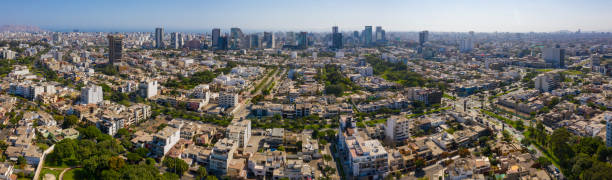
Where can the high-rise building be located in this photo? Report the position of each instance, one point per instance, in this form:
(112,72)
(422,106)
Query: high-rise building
(159,38)
(467,43)
(222,44)
(367,36)
(235,38)
(115,48)
(303,40)
(269,39)
(554,56)
(91,94)
(423,37)
(216,33)
(379,34)
(254,41)
(175,40)
(336,38)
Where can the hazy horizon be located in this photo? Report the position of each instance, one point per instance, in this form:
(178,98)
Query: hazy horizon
(313,16)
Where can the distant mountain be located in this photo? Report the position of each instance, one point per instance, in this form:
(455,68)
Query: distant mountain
(20,28)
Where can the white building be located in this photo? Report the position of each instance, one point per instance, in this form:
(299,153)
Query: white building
(547,82)
(228,99)
(367,158)
(164,140)
(92,94)
(240,132)
(8,54)
(397,128)
(148,89)
(221,155)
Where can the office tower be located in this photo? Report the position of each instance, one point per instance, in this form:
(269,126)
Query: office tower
(235,38)
(91,94)
(423,37)
(303,40)
(554,56)
(269,39)
(254,44)
(159,38)
(115,48)
(367,36)
(336,38)
(216,32)
(175,40)
(222,44)
(379,34)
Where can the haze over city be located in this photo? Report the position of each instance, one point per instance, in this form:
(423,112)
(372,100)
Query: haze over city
(312,15)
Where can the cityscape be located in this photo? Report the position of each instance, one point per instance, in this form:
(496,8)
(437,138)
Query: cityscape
(333,99)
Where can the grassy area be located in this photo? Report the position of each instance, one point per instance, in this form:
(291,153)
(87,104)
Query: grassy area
(374,122)
(544,70)
(448,96)
(70,175)
(518,125)
(572,72)
(502,93)
(428,112)
(49,171)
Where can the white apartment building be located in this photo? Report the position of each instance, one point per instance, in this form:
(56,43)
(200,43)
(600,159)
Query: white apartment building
(92,94)
(148,89)
(547,82)
(221,155)
(228,99)
(397,128)
(164,140)
(240,132)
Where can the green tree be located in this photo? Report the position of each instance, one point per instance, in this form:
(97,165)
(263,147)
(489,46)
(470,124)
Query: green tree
(70,121)
(201,173)
(175,165)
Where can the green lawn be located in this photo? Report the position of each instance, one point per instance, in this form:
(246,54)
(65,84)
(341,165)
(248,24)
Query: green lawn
(49,171)
(69,175)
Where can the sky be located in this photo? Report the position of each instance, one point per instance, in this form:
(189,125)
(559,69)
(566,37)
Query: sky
(311,15)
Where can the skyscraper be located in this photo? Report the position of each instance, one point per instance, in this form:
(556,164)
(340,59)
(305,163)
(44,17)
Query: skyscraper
(303,40)
(367,36)
(115,48)
(379,34)
(235,38)
(254,41)
(216,32)
(175,40)
(159,38)
(336,38)
(269,39)
(423,37)
(222,44)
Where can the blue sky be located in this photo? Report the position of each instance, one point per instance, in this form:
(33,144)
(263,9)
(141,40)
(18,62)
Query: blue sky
(311,15)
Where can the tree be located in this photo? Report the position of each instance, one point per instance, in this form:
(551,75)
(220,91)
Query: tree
(123,133)
(560,147)
(134,157)
(175,165)
(463,152)
(116,163)
(70,121)
(170,176)
(201,173)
